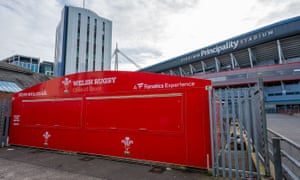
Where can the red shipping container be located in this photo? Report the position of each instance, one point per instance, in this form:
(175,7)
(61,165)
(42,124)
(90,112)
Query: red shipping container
(140,116)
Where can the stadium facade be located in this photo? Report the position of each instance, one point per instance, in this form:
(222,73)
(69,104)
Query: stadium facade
(271,53)
(83,42)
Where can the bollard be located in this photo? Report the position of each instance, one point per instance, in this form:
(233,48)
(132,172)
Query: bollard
(277,158)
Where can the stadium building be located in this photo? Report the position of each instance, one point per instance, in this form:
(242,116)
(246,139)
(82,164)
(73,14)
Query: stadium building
(14,78)
(83,42)
(271,53)
(30,63)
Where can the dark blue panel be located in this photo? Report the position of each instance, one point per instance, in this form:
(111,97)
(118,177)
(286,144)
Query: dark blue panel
(62,70)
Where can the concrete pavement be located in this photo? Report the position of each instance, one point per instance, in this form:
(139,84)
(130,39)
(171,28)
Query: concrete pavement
(18,163)
(286,125)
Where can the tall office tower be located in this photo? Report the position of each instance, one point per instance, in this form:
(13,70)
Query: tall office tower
(83,42)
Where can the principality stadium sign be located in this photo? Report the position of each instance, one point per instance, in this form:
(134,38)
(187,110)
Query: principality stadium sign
(218,48)
(228,45)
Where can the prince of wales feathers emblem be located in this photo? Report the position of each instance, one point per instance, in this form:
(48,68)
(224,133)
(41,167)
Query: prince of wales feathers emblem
(127,142)
(46,136)
(66,83)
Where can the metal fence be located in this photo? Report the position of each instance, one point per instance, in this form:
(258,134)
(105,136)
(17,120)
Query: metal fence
(284,155)
(239,133)
(5,107)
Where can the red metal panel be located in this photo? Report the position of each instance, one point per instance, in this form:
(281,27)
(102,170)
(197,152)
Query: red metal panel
(122,114)
(143,113)
(54,113)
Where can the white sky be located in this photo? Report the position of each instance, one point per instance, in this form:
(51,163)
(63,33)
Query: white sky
(148,31)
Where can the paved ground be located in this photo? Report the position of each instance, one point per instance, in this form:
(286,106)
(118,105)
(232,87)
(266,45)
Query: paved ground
(286,125)
(18,163)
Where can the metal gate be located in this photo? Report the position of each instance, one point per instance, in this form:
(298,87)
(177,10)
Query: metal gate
(239,133)
(5,106)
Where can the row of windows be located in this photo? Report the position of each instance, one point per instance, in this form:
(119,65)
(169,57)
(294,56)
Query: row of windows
(48,70)
(280,94)
(249,75)
(87,44)
(32,67)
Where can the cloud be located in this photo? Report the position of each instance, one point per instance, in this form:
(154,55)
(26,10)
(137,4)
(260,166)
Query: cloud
(277,10)
(29,28)
(147,31)
(140,25)
(141,53)
(6,6)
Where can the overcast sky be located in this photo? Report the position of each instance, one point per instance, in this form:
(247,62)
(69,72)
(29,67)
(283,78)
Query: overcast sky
(148,31)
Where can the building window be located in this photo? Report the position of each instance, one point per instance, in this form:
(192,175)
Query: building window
(87,44)
(94,46)
(78,42)
(78,23)
(88,29)
(102,47)
(77,63)
(102,52)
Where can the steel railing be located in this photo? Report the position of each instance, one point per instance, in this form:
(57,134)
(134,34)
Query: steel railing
(284,155)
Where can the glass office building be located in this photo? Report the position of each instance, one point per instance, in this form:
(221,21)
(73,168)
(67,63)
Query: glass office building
(47,68)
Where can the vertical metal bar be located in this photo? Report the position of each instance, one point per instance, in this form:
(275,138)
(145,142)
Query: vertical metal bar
(255,137)
(232,61)
(264,128)
(280,54)
(203,66)
(250,126)
(191,69)
(8,109)
(241,126)
(1,121)
(228,133)
(216,140)
(217,63)
(244,108)
(277,158)
(222,133)
(248,130)
(250,57)
(234,134)
(211,129)
(181,71)
(116,59)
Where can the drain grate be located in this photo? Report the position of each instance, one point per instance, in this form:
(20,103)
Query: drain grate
(157,169)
